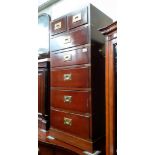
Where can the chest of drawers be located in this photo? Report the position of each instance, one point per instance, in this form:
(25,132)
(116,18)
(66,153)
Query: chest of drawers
(77,79)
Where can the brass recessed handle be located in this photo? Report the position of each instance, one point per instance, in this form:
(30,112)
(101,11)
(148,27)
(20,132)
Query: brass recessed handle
(76,18)
(67,40)
(67,57)
(67,77)
(67,121)
(57,26)
(67,99)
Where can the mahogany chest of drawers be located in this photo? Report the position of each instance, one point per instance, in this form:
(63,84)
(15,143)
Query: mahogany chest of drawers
(77,78)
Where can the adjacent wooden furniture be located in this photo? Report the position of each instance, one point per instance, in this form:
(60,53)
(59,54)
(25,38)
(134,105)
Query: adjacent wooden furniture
(43,94)
(110,32)
(77,114)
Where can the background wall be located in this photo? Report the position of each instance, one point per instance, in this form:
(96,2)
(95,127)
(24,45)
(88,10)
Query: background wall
(65,6)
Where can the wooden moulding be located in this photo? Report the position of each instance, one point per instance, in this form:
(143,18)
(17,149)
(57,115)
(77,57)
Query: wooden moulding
(110,33)
(86,145)
(54,143)
(109,29)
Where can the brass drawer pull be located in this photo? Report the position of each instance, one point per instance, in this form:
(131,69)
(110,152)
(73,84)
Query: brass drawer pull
(67,121)
(68,99)
(67,40)
(67,77)
(76,18)
(57,26)
(67,57)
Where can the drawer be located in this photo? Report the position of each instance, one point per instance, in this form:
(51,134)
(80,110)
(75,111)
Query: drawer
(77,18)
(70,78)
(72,57)
(74,124)
(75,38)
(45,64)
(58,26)
(78,101)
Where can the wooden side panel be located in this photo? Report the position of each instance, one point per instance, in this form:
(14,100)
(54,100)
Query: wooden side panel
(111,88)
(43,95)
(41,91)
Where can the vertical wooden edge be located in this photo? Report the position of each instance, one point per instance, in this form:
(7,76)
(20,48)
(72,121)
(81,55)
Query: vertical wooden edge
(107,94)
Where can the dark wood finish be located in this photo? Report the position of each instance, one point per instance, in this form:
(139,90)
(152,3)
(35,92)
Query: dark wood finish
(79,124)
(77,142)
(79,77)
(48,149)
(75,38)
(82,77)
(55,145)
(74,56)
(77,18)
(80,100)
(111,88)
(41,91)
(58,25)
(45,150)
(43,95)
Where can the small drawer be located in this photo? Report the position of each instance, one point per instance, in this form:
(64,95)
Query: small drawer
(78,101)
(77,18)
(58,26)
(73,57)
(74,124)
(70,78)
(75,38)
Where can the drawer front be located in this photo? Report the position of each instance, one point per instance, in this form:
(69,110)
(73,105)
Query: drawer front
(70,78)
(78,37)
(58,26)
(78,101)
(73,57)
(77,18)
(43,64)
(73,124)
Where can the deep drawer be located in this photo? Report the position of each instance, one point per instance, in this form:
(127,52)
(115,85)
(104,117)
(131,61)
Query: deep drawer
(75,38)
(72,57)
(77,18)
(78,101)
(71,123)
(70,78)
(58,26)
